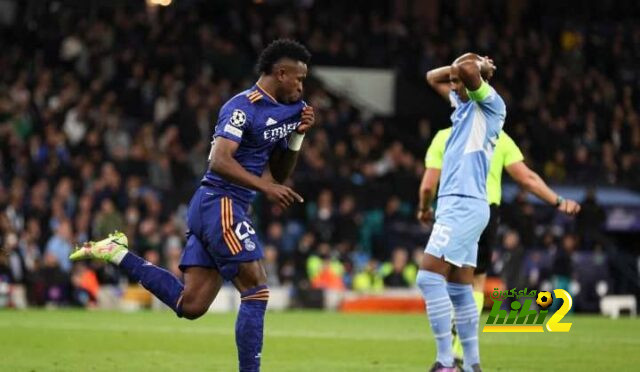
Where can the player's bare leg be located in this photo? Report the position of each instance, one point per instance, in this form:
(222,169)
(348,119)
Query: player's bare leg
(250,274)
(201,286)
(251,283)
(434,264)
(461,275)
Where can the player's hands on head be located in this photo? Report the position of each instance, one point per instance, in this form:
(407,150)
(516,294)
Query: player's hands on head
(570,207)
(307,120)
(487,67)
(425,216)
(282,195)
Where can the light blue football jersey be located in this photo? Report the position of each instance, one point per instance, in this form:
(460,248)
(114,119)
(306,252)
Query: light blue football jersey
(476,126)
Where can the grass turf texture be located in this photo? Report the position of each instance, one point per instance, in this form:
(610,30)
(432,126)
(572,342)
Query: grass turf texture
(68,340)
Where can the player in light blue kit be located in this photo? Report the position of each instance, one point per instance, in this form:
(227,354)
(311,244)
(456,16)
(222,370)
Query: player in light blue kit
(446,272)
(264,125)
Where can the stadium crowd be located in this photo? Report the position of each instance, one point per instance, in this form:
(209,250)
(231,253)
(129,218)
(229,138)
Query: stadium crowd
(106,123)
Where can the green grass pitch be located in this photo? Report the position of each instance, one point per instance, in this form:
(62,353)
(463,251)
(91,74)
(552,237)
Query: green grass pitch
(68,340)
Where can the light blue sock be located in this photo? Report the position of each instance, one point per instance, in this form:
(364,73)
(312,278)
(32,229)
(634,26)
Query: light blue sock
(466,318)
(434,291)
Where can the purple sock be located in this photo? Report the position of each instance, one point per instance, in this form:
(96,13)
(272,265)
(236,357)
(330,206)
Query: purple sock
(249,327)
(156,280)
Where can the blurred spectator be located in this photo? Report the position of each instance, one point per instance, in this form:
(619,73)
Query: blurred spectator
(52,283)
(555,168)
(519,215)
(12,265)
(108,219)
(369,279)
(563,262)
(59,246)
(512,259)
(85,286)
(271,265)
(590,222)
(347,221)
(172,250)
(275,232)
(322,220)
(301,257)
(324,271)
(398,273)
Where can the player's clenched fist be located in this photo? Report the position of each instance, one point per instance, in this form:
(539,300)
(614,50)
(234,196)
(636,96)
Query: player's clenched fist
(425,216)
(487,68)
(569,207)
(307,120)
(282,195)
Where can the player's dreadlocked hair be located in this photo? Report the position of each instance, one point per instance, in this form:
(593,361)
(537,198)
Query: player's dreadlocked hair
(281,48)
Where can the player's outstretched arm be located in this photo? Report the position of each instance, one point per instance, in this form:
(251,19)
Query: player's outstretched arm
(439,80)
(225,165)
(282,162)
(532,182)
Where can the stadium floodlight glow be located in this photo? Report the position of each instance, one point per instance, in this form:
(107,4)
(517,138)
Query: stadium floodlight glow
(159,2)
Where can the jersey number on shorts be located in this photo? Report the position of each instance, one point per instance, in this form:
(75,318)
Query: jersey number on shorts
(248,230)
(440,235)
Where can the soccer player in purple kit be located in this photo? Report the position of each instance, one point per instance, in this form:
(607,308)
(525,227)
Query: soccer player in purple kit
(263,125)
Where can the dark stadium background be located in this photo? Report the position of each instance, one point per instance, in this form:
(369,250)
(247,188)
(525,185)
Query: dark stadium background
(107,108)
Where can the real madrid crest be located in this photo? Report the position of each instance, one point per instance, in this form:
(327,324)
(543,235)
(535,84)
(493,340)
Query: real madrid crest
(249,245)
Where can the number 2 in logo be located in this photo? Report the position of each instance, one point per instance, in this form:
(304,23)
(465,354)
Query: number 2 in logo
(554,325)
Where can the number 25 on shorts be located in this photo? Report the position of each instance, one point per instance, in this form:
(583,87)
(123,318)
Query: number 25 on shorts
(440,235)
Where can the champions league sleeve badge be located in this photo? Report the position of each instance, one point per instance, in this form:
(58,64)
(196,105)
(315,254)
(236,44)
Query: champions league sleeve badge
(238,118)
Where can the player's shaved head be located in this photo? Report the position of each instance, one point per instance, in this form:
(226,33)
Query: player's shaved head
(467,57)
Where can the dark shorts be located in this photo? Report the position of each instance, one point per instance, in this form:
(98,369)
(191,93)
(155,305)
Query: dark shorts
(219,235)
(488,240)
